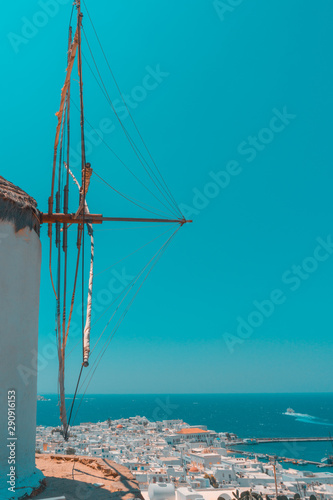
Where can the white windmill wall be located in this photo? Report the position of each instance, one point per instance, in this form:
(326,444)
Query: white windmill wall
(20,261)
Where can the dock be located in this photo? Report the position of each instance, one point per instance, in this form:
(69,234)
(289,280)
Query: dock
(293,461)
(236,442)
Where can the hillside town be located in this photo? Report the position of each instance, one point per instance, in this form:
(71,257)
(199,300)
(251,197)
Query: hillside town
(173,460)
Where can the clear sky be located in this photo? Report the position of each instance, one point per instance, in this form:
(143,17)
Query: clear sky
(237,112)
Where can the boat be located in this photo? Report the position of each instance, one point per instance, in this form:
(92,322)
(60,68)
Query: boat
(328,460)
(42,398)
(250,441)
(74,223)
(290,411)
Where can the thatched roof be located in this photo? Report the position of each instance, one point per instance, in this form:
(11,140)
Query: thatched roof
(17,206)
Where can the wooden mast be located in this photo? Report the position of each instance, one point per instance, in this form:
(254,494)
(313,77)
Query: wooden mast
(83,151)
(79,28)
(66,198)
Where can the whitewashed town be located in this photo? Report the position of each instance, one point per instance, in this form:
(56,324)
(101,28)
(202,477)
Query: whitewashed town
(173,460)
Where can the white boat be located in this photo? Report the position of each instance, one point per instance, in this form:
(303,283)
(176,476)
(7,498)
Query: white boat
(290,411)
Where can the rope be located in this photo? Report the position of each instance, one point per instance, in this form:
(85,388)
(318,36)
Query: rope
(61,352)
(87,326)
(70,19)
(66,189)
(74,289)
(81,228)
(56,293)
(72,406)
(50,269)
(60,113)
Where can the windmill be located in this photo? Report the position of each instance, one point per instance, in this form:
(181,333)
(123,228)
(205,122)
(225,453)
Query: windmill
(20,255)
(60,217)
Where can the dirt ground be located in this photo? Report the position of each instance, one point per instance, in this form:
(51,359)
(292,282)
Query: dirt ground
(74,477)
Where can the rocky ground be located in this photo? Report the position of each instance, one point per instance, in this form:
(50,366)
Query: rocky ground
(84,478)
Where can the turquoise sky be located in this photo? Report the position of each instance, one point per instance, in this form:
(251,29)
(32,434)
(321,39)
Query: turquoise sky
(239,120)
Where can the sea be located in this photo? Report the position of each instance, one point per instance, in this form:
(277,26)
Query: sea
(247,415)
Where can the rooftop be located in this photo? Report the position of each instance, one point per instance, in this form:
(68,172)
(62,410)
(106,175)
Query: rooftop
(17,206)
(192,430)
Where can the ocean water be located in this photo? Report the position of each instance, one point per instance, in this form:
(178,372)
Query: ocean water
(247,415)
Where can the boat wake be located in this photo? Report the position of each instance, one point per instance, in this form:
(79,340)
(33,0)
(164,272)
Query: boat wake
(308,419)
(298,415)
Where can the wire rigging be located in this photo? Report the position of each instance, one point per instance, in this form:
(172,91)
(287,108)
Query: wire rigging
(129,113)
(128,198)
(128,285)
(84,220)
(61,378)
(111,336)
(130,140)
(123,195)
(122,162)
(128,255)
(170,229)
(157,254)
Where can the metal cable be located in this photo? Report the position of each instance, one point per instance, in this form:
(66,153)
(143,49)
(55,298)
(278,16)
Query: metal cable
(130,114)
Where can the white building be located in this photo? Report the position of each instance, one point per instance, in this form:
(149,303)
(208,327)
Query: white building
(20,262)
(188,494)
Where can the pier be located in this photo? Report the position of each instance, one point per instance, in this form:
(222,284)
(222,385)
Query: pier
(293,461)
(253,441)
(278,440)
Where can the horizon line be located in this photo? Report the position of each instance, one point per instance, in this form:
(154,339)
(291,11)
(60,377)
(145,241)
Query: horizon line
(186,393)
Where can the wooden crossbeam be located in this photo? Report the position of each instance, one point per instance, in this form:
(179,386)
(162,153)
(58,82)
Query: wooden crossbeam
(99,219)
